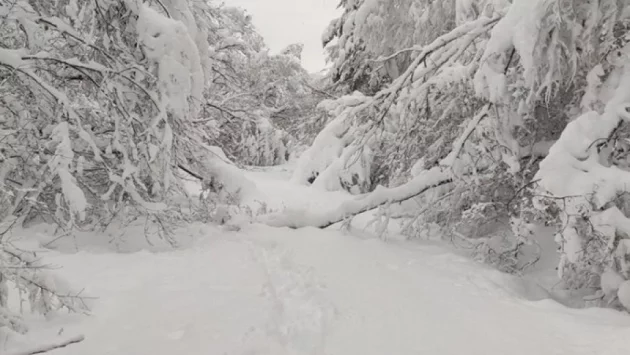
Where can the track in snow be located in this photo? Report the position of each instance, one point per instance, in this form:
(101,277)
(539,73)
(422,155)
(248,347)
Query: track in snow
(268,291)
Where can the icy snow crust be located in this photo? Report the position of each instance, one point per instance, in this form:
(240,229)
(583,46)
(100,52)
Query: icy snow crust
(271,291)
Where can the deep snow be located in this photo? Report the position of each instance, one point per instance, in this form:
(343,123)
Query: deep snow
(270,291)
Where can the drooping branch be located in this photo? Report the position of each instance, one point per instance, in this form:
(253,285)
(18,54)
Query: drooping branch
(435,177)
(439,175)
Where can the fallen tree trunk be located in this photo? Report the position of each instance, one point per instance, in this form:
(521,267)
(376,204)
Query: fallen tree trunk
(429,179)
(437,176)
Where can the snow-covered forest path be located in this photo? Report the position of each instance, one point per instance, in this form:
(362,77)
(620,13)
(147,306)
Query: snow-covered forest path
(267,291)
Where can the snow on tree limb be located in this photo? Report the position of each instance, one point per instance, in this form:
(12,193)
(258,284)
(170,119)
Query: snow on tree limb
(472,28)
(363,203)
(385,106)
(424,181)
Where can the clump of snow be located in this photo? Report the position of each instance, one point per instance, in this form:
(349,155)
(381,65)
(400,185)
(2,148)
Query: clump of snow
(232,179)
(610,281)
(351,168)
(330,31)
(168,43)
(335,153)
(72,10)
(518,29)
(61,165)
(593,86)
(326,148)
(11,57)
(572,167)
(624,294)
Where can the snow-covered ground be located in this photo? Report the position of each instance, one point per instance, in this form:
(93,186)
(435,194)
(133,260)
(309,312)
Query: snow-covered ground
(270,291)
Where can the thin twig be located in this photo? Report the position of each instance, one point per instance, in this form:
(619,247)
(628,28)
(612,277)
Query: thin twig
(47,348)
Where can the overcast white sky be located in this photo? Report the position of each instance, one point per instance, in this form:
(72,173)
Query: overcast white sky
(283,22)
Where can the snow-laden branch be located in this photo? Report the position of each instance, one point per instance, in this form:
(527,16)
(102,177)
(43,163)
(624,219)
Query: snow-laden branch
(442,53)
(471,28)
(425,180)
(572,166)
(324,218)
(29,272)
(458,145)
(468,30)
(415,82)
(73,62)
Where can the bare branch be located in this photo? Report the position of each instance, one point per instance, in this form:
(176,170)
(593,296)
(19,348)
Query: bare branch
(47,348)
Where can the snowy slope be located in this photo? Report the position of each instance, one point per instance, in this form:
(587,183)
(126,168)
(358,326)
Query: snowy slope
(269,291)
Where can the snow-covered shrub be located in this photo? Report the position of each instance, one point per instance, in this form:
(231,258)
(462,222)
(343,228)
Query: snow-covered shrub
(25,278)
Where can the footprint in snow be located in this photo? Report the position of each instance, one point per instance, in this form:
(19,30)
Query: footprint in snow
(300,315)
(176,335)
